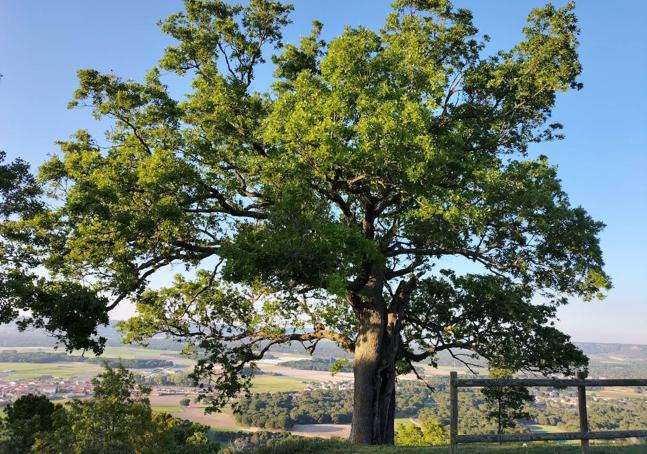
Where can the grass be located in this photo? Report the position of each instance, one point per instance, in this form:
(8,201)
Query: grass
(168,408)
(130,352)
(544,428)
(276,383)
(341,447)
(618,393)
(25,371)
(126,351)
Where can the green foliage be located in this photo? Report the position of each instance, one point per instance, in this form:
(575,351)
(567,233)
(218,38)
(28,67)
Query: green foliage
(18,196)
(23,421)
(18,190)
(271,411)
(258,440)
(430,432)
(322,406)
(67,309)
(340,365)
(340,190)
(283,410)
(119,419)
(501,315)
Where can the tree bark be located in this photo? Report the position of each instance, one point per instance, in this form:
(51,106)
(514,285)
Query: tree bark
(376,351)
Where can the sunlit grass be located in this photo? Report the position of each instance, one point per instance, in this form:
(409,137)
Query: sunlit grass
(342,447)
(276,383)
(26,371)
(544,428)
(168,408)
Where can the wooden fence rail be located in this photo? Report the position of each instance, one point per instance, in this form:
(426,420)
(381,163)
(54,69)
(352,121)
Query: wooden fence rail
(581,383)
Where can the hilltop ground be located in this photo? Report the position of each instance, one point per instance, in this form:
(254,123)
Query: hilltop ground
(339,447)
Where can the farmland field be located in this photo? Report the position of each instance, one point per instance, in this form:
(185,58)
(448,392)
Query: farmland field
(544,428)
(125,352)
(175,409)
(26,371)
(83,370)
(277,383)
(617,393)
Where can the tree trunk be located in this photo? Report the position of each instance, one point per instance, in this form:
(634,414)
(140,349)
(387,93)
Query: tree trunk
(376,351)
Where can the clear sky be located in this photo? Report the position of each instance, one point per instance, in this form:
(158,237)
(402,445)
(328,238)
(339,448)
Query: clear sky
(602,161)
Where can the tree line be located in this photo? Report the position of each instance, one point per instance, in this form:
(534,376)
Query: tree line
(283,410)
(13,356)
(321,406)
(320,364)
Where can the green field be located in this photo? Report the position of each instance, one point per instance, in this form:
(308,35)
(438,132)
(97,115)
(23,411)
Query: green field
(544,428)
(132,352)
(26,371)
(276,383)
(168,408)
(617,393)
(125,352)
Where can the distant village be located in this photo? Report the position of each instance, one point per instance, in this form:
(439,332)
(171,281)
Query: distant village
(329,384)
(52,388)
(55,388)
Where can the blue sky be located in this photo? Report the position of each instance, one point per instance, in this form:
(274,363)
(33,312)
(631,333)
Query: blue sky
(602,162)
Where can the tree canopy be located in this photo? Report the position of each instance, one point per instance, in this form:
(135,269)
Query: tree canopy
(335,204)
(24,420)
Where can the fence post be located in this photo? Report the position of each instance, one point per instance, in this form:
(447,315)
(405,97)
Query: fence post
(584,417)
(453,412)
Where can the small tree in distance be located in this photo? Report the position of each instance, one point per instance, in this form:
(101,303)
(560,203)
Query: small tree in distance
(506,403)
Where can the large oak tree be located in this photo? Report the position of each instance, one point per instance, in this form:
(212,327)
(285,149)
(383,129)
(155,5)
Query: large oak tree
(342,203)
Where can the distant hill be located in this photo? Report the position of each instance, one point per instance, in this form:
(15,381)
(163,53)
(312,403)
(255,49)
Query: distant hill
(11,337)
(616,360)
(628,350)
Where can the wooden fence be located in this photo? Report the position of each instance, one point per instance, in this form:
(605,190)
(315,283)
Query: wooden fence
(581,383)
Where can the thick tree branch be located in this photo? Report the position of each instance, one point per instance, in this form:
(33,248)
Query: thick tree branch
(233,210)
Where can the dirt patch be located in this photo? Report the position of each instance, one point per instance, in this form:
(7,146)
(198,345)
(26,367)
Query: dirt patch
(227,421)
(219,420)
(322,430)
(169,400)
